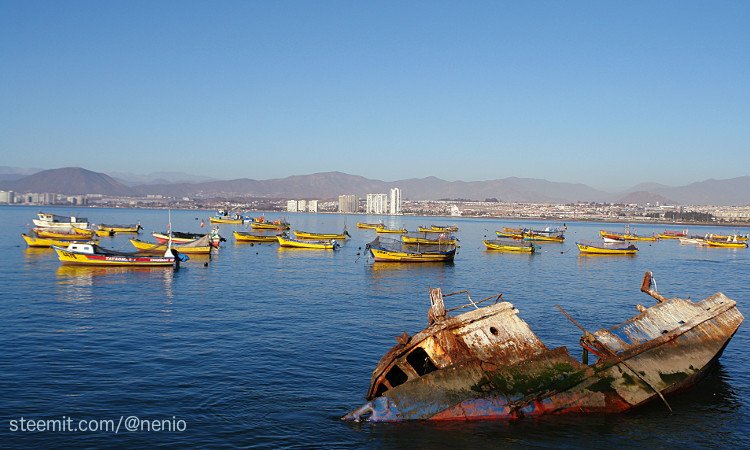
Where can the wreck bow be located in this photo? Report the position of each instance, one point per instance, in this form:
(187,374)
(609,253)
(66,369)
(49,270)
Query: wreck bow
(487,363)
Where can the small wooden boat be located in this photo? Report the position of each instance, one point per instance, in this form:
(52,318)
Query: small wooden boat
(112,229)
(60,234)
(672,234)
(243,236)
(180,237)
(595,249)
(727,237)
(438,229)
(200,246)
(696,240)
(627,236)
(46,220)
(510,233)
(226,219)
(506,245)
(276,225)
(424,240)
(306,235)
(730,242)
(92,254)
(32,241)
(326,244)
(370,226)
(389,250)
(543,237)
(386,230)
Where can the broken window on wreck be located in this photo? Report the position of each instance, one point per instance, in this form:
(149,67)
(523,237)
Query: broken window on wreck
(420,361)
(396,376)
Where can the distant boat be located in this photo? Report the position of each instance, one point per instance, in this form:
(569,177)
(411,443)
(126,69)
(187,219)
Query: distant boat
(508,245)
(199,246)
(628,235)
(387,230)
(438,229)
(32,241)
(47,220)
(603,249)
(71,234)
(393,250)
(243,236)
(672,234)
(443,239)
(327,244)
(275,225)
(112,229)
(306,235)
(179,237)
(370,226)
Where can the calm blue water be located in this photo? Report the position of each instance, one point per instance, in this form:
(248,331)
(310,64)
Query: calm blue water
(268,348)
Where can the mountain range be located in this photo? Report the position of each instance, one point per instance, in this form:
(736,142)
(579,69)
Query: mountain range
(75,180)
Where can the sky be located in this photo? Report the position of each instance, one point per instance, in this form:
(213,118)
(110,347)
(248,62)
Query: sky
(605,93)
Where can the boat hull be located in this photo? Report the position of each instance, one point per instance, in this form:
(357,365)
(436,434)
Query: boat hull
(32,241)
(240,236)
(596,250)
(319,236)
(69,257)
(312,245)
(149,247)
(388,256)
(505,247)
(227,221)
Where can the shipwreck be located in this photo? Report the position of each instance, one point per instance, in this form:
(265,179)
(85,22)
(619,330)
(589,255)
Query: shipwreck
(487,363)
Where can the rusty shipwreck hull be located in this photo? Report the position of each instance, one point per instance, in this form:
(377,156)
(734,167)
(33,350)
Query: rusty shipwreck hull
(488,364)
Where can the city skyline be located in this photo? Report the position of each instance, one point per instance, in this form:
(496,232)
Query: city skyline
(610,95)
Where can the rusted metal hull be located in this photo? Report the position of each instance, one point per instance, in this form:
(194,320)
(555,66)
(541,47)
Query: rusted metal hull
(666,348)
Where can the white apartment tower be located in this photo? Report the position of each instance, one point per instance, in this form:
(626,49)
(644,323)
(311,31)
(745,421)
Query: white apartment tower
(377,204)
(395,201)
(348,203)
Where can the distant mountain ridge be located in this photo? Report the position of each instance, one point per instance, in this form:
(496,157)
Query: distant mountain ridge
(73,180)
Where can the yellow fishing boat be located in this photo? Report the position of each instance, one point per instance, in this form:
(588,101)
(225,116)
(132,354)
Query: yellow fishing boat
(370,226)
(66,236)
(730,243)
(315,245)
(627,236)
(92,254)
(389,250)
(32,241)
(451,240)
(229,220)
(387,230)
(725,237)
(278,225)
(673,234)
(594,249)
(535,236)
(318,236)
(243,236)
(198,246)
(438,229)
(505,245)
(108,230)
(511,233)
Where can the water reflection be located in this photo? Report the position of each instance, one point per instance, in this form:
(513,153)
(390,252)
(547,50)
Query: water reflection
(37,253)
(78,281)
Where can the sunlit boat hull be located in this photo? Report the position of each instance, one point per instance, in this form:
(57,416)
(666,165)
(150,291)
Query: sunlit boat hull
(411,240)
(75,235)
(32,241)
(150,247)
(72,257)
(596,250)
(508,247)
(314,245)
(319,236)
(241,236)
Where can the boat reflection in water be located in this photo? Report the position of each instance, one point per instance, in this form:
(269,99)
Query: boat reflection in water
(78,281)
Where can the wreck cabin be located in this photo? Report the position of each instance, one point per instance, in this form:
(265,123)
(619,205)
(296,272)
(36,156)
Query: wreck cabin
(488,364)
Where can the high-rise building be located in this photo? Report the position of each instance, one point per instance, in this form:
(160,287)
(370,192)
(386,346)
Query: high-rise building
(377,204)
(348,203)
(301,205)
(395,201)
(312,206)
(291,205)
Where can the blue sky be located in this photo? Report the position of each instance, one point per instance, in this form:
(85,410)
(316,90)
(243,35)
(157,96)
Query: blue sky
(605,93)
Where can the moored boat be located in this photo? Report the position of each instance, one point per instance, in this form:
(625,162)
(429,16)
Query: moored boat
(325,244)
(509,245)
(72,234)
(532,235)
(487,363)
(725,243)
(442,239)
(180,237)
(386,230)
(306,235)
(589,248)
(112,229)
(200,246)
(627,236)
(438,229)
(47,220)
(275,225)
(32,241)
(370,226)
(244,236)
(92,254)
(392,250)
(672,234)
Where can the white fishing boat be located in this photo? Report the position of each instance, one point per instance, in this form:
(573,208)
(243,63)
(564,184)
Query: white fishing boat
(47,220)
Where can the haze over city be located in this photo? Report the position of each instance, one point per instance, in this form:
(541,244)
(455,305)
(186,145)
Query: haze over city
(606,94)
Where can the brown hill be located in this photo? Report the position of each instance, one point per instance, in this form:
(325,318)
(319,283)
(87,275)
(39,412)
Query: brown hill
(70,181)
